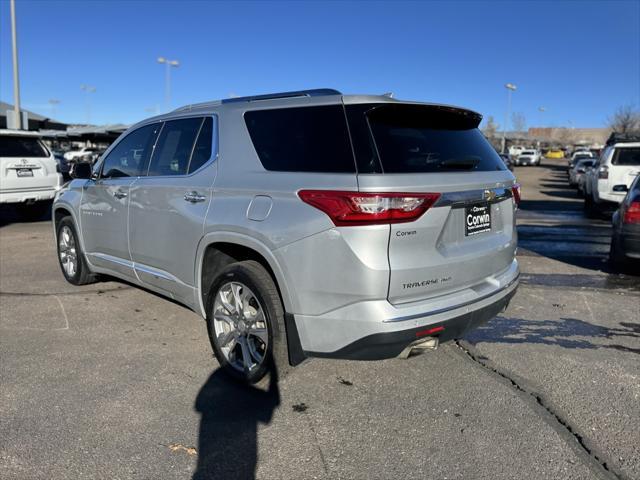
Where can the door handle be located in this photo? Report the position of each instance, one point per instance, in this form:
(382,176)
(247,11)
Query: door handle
(120,194)
(194,197)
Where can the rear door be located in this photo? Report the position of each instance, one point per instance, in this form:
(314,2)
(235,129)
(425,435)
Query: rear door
(168,205)
(468,238)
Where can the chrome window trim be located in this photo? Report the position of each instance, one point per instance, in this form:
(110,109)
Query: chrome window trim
(214,147)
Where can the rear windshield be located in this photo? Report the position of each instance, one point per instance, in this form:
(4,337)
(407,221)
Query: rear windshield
(423,138)
(21,147)
(303,139)
(626,156)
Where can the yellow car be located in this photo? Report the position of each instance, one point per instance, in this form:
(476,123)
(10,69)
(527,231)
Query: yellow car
(554,153)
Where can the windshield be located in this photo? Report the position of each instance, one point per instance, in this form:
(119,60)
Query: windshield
(21,147)
(424,138)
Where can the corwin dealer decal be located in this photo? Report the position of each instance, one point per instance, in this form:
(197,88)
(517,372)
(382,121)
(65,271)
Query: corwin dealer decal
(477,219)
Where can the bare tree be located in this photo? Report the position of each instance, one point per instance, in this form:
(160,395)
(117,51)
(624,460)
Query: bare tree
(518,121)
(566,136)
(490,128)
(625,119)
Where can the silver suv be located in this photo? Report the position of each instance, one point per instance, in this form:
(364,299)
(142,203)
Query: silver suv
(302,224)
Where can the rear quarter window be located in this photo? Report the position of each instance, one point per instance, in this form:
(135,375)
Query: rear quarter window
(626,156)
(302,139)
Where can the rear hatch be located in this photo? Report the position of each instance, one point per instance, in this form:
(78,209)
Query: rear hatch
(25,163)
(468,236)
(625,165)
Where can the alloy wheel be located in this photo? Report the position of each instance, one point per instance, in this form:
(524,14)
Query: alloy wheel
(240,327)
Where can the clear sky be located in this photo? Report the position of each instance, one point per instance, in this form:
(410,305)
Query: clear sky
(578,59)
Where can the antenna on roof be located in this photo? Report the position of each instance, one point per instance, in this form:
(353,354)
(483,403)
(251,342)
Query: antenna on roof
(388,94)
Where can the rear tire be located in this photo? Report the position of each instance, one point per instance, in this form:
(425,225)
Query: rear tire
(248,336)
(590,209)
(70,255)
(616,258)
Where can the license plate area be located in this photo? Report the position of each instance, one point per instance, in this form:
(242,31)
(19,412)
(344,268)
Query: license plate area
(477,219)
(24,172)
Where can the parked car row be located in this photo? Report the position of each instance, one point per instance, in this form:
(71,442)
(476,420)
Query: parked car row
(611,182)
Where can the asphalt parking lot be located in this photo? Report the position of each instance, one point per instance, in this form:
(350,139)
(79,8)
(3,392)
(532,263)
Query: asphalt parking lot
(110,381)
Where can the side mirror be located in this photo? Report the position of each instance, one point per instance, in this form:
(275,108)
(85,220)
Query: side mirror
(581,170)
(620,188)
(80,170)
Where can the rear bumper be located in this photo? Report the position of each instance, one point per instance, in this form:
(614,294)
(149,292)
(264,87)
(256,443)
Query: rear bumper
(609,197)
(630,241)
(29,195)
(377,330)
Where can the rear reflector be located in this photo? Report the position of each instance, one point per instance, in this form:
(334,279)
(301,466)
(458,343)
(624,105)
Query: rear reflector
(632,213)
(365,208)
(431,331)
(516,193)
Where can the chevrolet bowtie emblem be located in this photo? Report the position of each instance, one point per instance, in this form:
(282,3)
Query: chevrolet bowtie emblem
(489,195)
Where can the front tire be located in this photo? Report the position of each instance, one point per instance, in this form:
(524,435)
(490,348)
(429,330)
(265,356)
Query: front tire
(245,322)
(70,256)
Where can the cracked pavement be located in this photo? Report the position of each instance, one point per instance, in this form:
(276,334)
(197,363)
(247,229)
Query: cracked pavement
(110,381)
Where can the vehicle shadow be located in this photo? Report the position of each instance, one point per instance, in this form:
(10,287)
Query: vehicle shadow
(230,416)
(18,214)
(566,332)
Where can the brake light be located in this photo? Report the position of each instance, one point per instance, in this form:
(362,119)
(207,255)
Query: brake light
(603,172)
(632,213)
(516,193)
(364,208)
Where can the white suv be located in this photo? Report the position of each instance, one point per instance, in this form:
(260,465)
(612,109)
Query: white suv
(611,176)
(29,174)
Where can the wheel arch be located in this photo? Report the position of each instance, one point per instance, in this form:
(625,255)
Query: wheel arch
(61,211)
(216,250)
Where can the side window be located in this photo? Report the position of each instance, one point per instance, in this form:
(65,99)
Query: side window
(130,156)
(174,147)
(203,150)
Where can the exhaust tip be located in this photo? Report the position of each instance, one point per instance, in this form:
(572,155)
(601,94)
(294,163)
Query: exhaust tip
(419,346)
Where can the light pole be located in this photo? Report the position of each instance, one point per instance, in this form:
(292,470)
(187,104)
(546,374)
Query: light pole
(87,105)
(510,88)
(16,79)
(167,80)
(53,102)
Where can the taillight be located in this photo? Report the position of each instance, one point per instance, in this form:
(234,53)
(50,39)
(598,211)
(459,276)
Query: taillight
(364,208)
(632,213)
(516,193)
(603,172)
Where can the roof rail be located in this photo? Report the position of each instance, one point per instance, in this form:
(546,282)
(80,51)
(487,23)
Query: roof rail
(318,92)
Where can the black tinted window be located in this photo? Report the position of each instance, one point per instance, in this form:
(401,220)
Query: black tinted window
(21,147)
(174,146)
(130,156)
(202,150)
(627,156)
(308,139)
(417,138)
